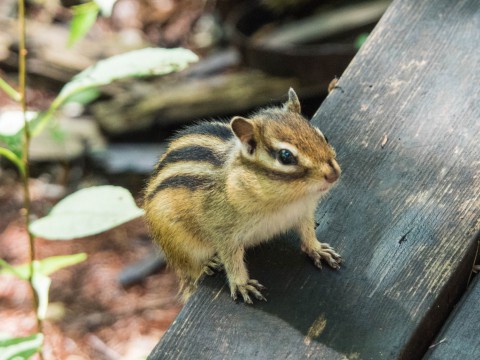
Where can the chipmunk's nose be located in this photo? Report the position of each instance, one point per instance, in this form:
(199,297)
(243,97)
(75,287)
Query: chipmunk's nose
(331,177)
(334,173)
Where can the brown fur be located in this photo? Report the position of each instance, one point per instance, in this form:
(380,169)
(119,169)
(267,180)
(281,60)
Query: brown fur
(204,214)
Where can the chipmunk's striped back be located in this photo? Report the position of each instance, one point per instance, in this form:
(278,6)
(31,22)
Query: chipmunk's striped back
(193,158)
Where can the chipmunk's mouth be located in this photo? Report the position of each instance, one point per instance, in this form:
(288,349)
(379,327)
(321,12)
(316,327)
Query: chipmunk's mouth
(320,188)
(325,186)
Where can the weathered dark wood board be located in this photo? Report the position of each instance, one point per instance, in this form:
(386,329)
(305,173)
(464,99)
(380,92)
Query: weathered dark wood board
(404,216)
(460,337)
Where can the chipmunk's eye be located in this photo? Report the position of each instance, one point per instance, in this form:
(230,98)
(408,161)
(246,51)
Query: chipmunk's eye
(286,157)
(326,139)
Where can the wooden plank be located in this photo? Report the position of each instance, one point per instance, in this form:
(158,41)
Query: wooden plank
(460,338)
(404,215)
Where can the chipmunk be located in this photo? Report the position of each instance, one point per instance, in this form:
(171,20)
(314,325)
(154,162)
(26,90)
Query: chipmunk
(221,188)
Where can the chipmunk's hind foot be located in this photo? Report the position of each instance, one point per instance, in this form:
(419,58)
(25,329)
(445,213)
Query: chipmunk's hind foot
(213,266)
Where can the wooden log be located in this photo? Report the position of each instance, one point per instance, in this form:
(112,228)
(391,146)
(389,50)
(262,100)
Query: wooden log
(404,121)
(169,101)
(460,337)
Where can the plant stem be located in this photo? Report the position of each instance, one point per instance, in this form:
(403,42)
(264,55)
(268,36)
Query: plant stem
(10,155)
(10,91)
(22,76)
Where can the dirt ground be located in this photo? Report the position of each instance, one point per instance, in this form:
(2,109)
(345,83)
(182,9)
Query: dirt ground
(91,315)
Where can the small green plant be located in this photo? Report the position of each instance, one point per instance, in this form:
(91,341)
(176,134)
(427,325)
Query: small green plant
(84,16)
(88,211)
(360,40)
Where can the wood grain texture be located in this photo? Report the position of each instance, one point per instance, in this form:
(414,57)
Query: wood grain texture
(404,216)
(460,337)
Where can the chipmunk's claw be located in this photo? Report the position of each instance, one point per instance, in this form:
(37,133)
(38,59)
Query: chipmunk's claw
(252,287)
(324,252)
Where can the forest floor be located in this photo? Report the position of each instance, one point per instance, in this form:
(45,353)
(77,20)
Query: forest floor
(91,316)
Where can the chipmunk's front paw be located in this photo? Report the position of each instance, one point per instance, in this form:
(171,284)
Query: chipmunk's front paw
(252,286)
(323,251)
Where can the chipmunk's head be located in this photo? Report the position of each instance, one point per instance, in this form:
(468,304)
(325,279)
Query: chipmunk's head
(281,145)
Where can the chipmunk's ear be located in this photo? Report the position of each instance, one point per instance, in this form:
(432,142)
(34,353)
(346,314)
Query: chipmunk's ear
(293,104)
(243,129)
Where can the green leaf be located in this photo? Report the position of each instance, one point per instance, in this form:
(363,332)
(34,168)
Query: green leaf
(11,129)
(10,91)
(10,155)
(21,271)
(84,97)
(137,63)
(46,266)
(40,279)
(84,17)
(87,212)
(51,264)
(359,41)
(106,6)
(20,348)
